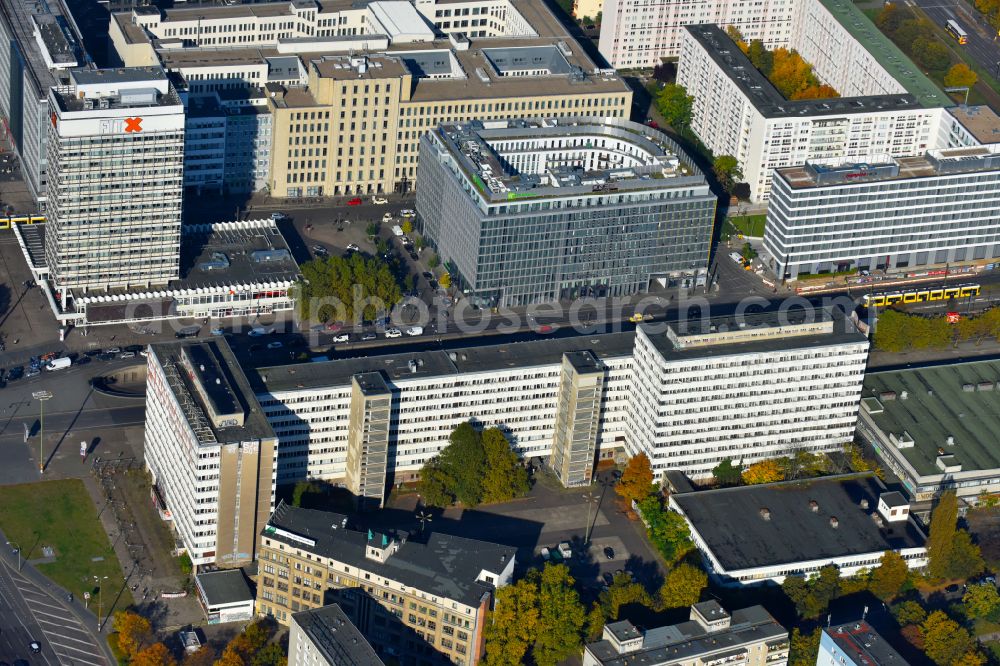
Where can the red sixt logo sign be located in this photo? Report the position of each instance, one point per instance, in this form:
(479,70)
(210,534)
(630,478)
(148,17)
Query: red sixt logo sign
(857,174)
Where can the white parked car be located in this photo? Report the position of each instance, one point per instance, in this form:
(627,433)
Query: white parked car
(415,330)
(343,337)
(737,257)
(258,331)
(387,217)
(407,212)
(393,333)
(353,248)
(277,216)
(379,201)
(275,345)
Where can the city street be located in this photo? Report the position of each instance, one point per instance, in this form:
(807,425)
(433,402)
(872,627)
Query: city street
(982,46)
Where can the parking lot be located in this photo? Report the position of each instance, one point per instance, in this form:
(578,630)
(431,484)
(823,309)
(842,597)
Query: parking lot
(547,516)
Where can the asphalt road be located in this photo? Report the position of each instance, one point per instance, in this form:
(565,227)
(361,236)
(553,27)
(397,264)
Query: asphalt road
(982,46)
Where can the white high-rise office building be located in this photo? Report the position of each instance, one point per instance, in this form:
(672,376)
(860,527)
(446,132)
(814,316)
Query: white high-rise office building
(116,160)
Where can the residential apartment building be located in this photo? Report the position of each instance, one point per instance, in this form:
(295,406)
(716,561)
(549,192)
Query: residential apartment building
(641,34)
(419,599)
(712,635)
(856,644)
(887,108)
(747,391)
(721,389)
(39,44)
(525,211)
(911,212)
(351,90)
(849,521)
(325,636)
(209,450)
(115,159)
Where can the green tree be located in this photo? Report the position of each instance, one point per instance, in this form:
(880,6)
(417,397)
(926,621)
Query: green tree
(504,476)
(433,261)
(748,253)
(890,577)
(981,600)
(727,170)
(133,631)
(347,288)
(909,612)
(803,648)
(512,626)
(561,617)
(760,57)
(734,34)
(822,590)
(407,226)
(435,485)
(960,75)
(726,473)
(675,105)
(185,564)
(944,519)
(796,588)
(683,586)
(931,53)
(301,489)
(666,530)
(890,18)
(595,623)
(945,641)
(965,559)
(372,229)
(622,592)
(464,461)
(270,655)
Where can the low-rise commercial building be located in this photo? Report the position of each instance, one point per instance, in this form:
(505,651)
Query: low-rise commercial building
(541,210)
(848,521)
(414,598)
(910,212)
(351,89)
(935,428)
(856,644)
(712,635)
(209,450)
(325,636)
(888,108)
(225,596)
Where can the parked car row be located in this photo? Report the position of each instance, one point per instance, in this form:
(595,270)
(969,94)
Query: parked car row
(54,361)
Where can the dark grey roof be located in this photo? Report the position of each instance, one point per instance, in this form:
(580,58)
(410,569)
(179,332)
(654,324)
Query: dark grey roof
(427,63)
(255,425)
(119,75)
(863,645)
(772,104)
(688,640)
(894,498)
(623,631)
(237,242)
(732,525)
(440,363)
(225,586)
(335,637)
(531,58)
(446,566)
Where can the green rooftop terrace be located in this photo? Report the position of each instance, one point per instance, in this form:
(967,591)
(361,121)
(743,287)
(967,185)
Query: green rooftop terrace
(960,401)
(888,54)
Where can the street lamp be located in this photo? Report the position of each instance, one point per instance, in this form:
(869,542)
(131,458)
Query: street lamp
(17,549)
(41,397)
(424,518)
(591,499)
(100,601)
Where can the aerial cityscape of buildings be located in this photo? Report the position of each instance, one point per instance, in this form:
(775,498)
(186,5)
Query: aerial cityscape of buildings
(462,331)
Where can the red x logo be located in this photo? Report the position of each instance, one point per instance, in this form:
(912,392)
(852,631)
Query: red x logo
(133,125)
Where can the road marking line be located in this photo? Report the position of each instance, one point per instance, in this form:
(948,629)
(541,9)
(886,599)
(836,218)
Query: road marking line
(68,648)
(90,646)
(69,618)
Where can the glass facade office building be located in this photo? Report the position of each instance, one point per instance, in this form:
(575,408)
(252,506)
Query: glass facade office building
(531,211)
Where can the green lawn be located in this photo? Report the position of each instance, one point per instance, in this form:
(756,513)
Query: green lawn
(61,514)
(749,225)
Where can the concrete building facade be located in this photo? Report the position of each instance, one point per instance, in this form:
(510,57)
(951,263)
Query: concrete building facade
(325,636)
(352,89)
(420,599)
(911,212)
(39,44)
(527,211)
(115,157)
(209,449)
(856,644)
